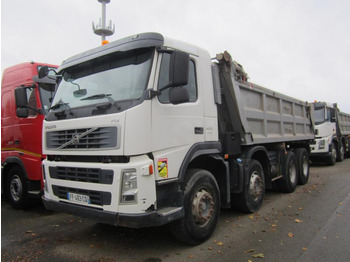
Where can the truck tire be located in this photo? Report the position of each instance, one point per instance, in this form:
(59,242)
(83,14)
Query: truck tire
(17,188)
(347,147)
(340,152)
(251,198)
(289,182)
(333,157)
(202,208)
(303,165)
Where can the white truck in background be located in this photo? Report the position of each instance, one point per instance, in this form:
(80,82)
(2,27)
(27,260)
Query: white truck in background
(148,130)
(332,133)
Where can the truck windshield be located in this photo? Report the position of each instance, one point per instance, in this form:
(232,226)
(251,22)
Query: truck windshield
(320,115)
(46,95)
(115,77)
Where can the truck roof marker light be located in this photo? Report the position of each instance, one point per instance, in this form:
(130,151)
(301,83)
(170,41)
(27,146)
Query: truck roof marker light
(105,42)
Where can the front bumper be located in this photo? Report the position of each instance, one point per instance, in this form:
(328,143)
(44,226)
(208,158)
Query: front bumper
(148,219)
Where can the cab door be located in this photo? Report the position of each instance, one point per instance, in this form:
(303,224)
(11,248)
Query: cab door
(27,134)
(175,128)
(7,116)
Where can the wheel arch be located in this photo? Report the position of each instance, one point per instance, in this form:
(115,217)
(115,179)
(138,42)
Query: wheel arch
(197,154)
(9,163)
(207,156)
(260,154)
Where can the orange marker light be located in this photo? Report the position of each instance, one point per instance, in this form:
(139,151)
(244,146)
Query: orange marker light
(150,169)
(104,42)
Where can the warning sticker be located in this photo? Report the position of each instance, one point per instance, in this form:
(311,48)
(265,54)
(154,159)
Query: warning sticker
(163,167)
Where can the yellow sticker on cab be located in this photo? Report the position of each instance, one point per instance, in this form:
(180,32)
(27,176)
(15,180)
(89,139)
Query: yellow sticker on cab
(163,167)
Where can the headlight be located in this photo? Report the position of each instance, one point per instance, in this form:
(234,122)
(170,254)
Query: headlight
(129,187)
(322,144)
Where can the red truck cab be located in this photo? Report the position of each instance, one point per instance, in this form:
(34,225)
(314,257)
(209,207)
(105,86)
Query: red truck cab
(21,130)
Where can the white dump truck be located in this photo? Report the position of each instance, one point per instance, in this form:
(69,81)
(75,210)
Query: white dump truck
(148,130)
(332,133)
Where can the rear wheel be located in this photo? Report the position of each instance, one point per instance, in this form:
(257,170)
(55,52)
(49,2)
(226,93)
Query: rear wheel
(303,165)
(251,198)
(288,183)
(202,207)
(17,188)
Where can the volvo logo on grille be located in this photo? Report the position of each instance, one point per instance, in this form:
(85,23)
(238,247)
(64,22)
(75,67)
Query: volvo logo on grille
(75,138)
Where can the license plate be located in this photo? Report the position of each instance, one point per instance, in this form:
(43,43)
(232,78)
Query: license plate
(78,198)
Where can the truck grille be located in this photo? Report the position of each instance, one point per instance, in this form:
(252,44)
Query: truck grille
(96,197)
(82,138)
(90,175)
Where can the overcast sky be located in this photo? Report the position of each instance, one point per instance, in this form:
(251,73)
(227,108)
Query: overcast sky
(297,47)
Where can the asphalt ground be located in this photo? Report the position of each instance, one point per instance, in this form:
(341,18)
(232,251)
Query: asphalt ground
(311,224)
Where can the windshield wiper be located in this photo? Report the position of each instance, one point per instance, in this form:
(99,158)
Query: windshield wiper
(100,96)
(59,104)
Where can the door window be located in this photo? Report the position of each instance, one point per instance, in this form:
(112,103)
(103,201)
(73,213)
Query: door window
(164,80)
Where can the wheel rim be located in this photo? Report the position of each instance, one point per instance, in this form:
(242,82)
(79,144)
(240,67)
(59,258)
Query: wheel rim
(202,207)
(255,186)
(16,188)
(292,172)
(305,166)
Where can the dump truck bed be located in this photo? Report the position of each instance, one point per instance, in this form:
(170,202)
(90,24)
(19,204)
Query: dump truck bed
(344,123)
(265,116)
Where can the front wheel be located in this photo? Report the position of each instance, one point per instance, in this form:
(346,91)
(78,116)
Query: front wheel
(202,207)
(341,152)
(17,188)
(333,157)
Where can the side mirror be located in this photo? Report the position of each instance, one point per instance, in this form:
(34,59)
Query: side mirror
(80,92)
(179,95)
(43,72)
(332,115)
(179,68)
(22,112)
(21,97)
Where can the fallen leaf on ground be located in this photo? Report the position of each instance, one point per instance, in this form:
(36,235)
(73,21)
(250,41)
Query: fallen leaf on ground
(290,235)
(220,243)
(260,255)
(298,221)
